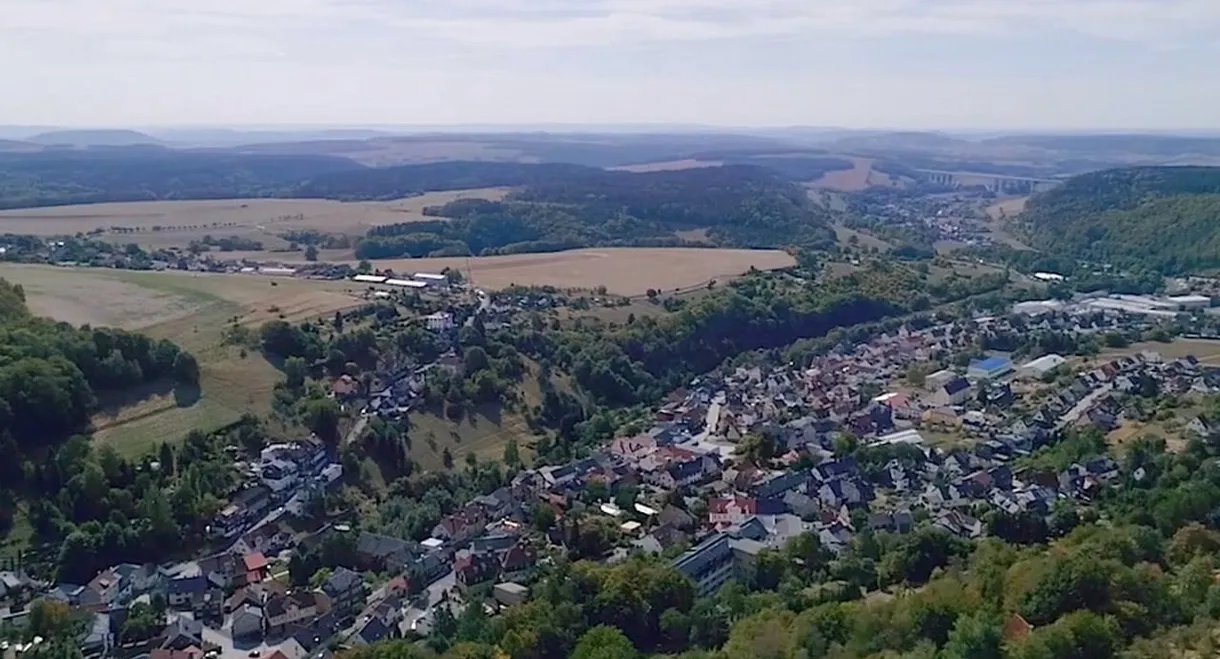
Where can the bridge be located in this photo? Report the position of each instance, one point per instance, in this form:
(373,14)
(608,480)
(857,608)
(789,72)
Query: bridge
(995,182)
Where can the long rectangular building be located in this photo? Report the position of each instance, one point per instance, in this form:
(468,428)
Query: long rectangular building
(405,283)
(370,279)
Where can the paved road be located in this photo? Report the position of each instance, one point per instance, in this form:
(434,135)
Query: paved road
(1069,417)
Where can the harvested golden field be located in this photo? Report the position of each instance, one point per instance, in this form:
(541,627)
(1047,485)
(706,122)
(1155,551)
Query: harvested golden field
(860,177)
(844,235)
(176,223)
(1007,208)
(622,270)
(192,310)
(669,166)
(1206,350)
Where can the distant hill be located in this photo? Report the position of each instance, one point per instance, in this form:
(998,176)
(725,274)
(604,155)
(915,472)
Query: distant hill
(94,138)
(408,180)
(1164,146)
(79,176)
(227,137)
(16,145)
(901,141)
(1165,219)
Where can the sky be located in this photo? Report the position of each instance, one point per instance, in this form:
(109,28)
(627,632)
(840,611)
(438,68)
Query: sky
(903,64)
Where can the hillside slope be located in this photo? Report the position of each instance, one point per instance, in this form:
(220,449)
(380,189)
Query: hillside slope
(94,138)
(1165,219)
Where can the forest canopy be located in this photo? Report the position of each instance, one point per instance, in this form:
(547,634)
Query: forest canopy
(736,206)
(1162,219)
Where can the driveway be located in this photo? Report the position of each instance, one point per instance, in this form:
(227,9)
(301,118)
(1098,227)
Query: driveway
(420,620)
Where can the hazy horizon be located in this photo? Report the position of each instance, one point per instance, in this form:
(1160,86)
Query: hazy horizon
(1098,66)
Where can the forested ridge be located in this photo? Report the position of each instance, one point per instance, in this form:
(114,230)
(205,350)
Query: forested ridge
(58,177)
(1162,219)
(738,206)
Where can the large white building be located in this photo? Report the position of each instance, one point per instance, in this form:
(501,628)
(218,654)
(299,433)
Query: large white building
(1040,366)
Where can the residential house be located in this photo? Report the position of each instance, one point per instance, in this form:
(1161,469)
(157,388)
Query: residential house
(722,511)
(892,522)
(959,524)
(473,568)
(382,553)
(256,568)
(346,591)
(850,492)
(953,392)
(248,622)
(518,560)
(675,517)
(186,591)
(836,537)
(291,609)
(663,537)
(835,469)
(460,527)
(180,634)
(191,652)
(105,590)
(776,485)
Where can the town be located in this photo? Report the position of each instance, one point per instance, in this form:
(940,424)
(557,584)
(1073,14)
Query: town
(929,423)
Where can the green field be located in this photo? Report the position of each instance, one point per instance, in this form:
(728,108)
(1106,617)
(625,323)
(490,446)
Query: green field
(192,310)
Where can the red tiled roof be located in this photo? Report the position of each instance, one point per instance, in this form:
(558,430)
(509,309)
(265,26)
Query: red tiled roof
(255,562)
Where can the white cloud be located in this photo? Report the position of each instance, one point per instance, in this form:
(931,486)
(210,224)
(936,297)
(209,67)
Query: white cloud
(724,61)
(543,23)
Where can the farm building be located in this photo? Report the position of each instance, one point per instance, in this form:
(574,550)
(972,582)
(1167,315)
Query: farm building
(277,272)
(989,368)
(430,278)
(405,283)
(1048,276)
(1189,302)
(1038,307)
(1042,365)
(370,279)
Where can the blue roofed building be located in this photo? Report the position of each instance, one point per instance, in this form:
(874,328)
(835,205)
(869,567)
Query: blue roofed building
(989,368)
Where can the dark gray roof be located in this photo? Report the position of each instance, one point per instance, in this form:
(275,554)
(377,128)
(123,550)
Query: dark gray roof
(341,581)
